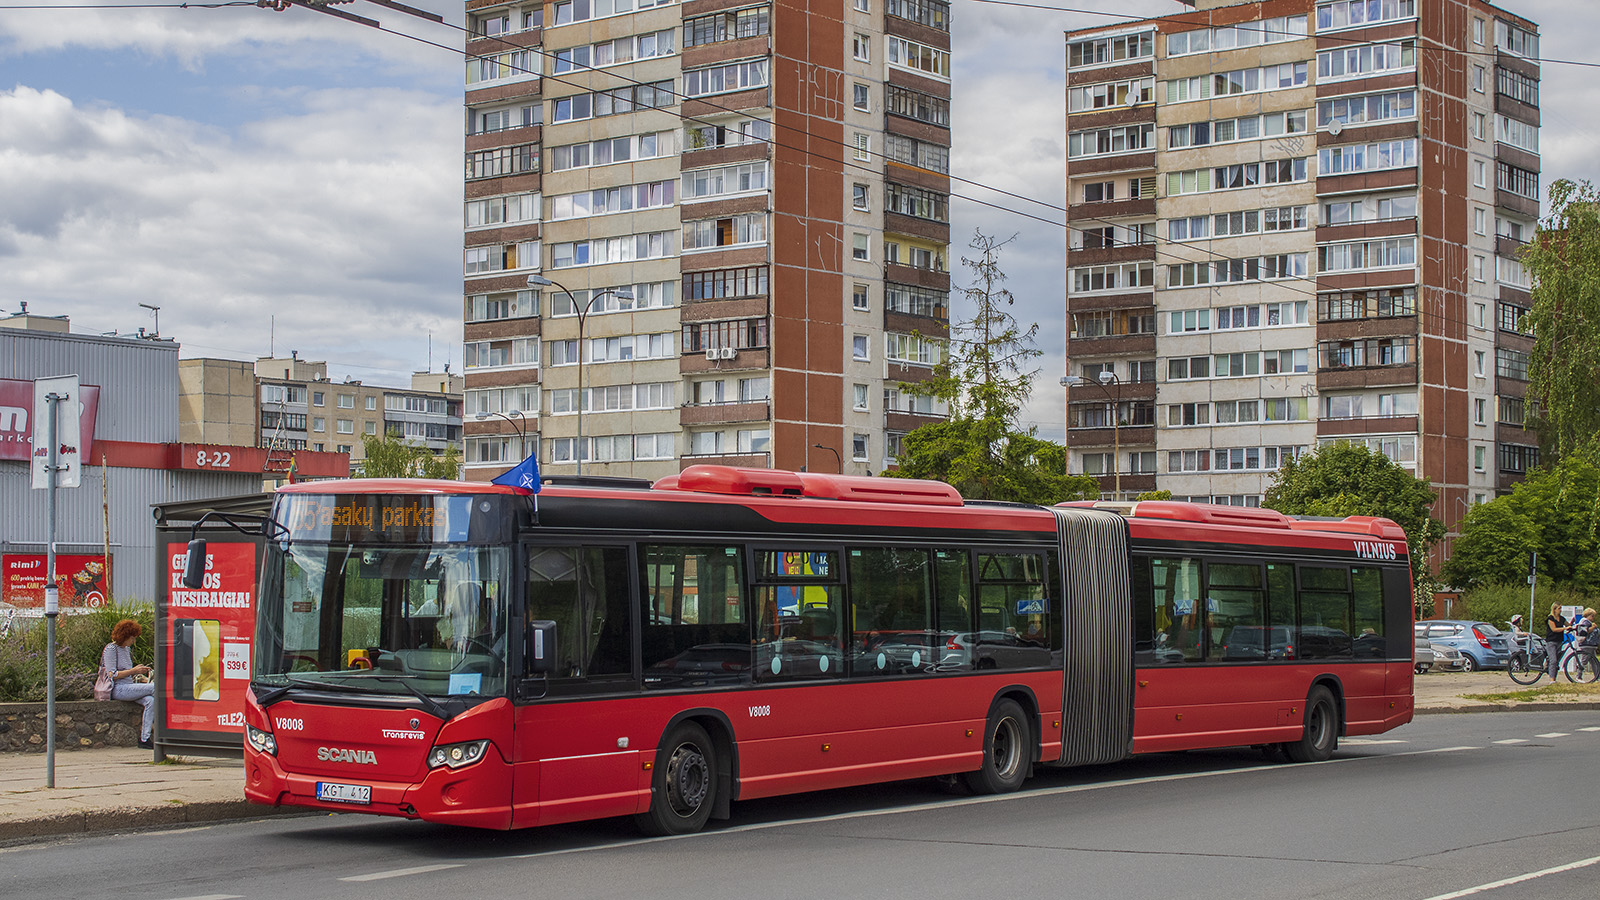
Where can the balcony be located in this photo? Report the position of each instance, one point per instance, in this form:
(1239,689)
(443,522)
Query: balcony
(724,413)
(761,460)
(896,420)
(1355,377)
(1131,436)
(693,363)
(1367,425)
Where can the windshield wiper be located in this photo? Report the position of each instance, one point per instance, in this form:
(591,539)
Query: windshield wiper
(433,706)
(296,679)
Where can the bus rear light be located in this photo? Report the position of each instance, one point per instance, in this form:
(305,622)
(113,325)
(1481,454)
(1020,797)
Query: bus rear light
(457,755)
(262,741)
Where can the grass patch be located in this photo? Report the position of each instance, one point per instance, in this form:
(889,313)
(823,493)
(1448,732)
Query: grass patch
(1560,691)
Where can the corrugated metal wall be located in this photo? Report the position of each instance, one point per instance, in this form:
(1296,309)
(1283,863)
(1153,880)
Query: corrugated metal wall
(138,383)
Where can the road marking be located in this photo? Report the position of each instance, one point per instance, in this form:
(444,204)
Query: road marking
(214,897)
(1517,879)
(1553,734)
(973,801)
(1366,742)
(401,873)
(1513,741)
(1591,728)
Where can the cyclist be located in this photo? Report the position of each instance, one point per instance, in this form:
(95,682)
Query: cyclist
(1556,627)
(1588,642)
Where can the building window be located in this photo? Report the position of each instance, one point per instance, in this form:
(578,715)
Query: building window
(725,284)
(916,202)
(859,248)
(734,231)
(1510,363)
(740,76)
(866,6)
(370,427)
(755,440)
(858,447)
(319,424)
(858,298)
(372,403)
(1478,126)
(347,401)
(726,26)
(1477,78)
(316,398)
(1479,455)
(858,348)
(1478,179)
(858,196)
(862,97)
(1480,220)
(859,401)
(1477,268)
(903,101)
(1477,363)
(1477,31)
(918,57)
(740,334)
(863,146)
(346,426)
(1480,409)
(1479,314)
(861,47)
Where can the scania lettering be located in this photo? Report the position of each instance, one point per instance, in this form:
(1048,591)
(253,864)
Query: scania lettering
(455,652)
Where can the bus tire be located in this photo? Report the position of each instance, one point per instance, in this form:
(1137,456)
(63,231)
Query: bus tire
(1320,737)
(1007,747)
(683,787)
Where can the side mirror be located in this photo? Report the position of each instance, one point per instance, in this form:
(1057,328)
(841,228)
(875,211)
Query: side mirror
(539,648)
(194,565)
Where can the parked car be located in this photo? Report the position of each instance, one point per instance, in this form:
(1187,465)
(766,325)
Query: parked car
(1422,655)
(1448,659)
(1482,645)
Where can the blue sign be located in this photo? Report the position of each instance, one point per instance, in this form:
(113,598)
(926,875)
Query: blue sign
(1032,607)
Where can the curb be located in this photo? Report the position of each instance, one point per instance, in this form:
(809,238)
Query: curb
(135,818)
(1512,706)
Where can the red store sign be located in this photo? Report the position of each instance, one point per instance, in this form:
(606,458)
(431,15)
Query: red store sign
(16,420)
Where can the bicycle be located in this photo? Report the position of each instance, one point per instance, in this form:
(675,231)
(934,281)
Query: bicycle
(1580,665)
(1528,662)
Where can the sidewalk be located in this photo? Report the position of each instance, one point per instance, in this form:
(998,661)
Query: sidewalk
(120,788)
(117,788)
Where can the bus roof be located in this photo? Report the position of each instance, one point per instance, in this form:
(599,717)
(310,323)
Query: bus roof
(397,486)
(1247,516)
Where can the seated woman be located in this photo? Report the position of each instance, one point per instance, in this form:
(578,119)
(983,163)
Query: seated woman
(118,660)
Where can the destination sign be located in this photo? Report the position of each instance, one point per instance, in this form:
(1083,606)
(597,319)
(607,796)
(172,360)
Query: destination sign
(388,519)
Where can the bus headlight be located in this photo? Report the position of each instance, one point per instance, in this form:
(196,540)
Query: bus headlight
(262,741)
(457,755)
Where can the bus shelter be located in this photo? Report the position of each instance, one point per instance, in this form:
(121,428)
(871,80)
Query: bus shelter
(203,636)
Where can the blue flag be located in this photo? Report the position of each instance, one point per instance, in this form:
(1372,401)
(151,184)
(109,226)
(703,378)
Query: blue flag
(525,475)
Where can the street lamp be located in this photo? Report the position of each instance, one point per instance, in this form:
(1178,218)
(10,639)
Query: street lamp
(583,316)
(1107,378)
(837,459)
(517,423)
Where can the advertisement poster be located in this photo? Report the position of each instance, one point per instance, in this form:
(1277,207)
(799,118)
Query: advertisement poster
(80,581)
(207,644)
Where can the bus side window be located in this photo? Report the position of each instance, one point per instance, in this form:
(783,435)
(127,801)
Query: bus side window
(1367,590)
(1144,612)
(891,607)
(1237,614)
(1324,612)
(800,613)
(584,590)
(1281,607)
(1179,610)
(1013,613)
(695,628)
(953,586)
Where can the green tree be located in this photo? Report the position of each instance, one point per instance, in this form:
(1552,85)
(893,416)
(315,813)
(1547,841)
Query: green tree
(1153,495)
(1552,512)
(391,456)
(1346,479)
(984,377)
(1564,262)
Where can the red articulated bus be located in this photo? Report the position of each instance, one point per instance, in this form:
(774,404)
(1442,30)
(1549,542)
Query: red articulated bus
(472,654)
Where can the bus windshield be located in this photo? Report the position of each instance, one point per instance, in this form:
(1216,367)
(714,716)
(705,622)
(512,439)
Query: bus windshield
(385,619)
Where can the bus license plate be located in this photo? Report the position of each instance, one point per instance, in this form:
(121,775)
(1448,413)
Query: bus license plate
(344,793)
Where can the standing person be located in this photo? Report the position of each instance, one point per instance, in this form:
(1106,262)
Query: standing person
(1555,632)
(118,660)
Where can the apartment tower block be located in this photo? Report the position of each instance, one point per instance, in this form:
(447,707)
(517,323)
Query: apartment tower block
(740,208)
(1295,223)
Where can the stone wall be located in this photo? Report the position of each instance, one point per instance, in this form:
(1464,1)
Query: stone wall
(80,724)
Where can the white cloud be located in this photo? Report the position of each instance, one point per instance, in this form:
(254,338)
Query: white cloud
(343,220)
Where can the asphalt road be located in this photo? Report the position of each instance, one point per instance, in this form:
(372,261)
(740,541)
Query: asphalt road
(1441,806)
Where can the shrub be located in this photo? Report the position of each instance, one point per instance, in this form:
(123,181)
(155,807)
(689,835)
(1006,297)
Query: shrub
(80,638)
(1497,604)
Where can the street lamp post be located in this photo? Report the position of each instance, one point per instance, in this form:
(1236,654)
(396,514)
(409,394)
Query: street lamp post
(1107,378)
(583,316)
(517,423)
(837,459)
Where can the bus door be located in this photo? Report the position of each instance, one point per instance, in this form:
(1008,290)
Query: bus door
(575,756)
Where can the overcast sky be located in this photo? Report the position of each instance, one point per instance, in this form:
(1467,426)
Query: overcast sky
(237,165)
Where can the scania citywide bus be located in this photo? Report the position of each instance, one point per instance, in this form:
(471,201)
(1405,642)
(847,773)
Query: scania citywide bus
(476,655)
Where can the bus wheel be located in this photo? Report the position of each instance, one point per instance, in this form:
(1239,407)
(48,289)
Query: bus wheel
(1321,734)
(1007,744)
(684,786)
